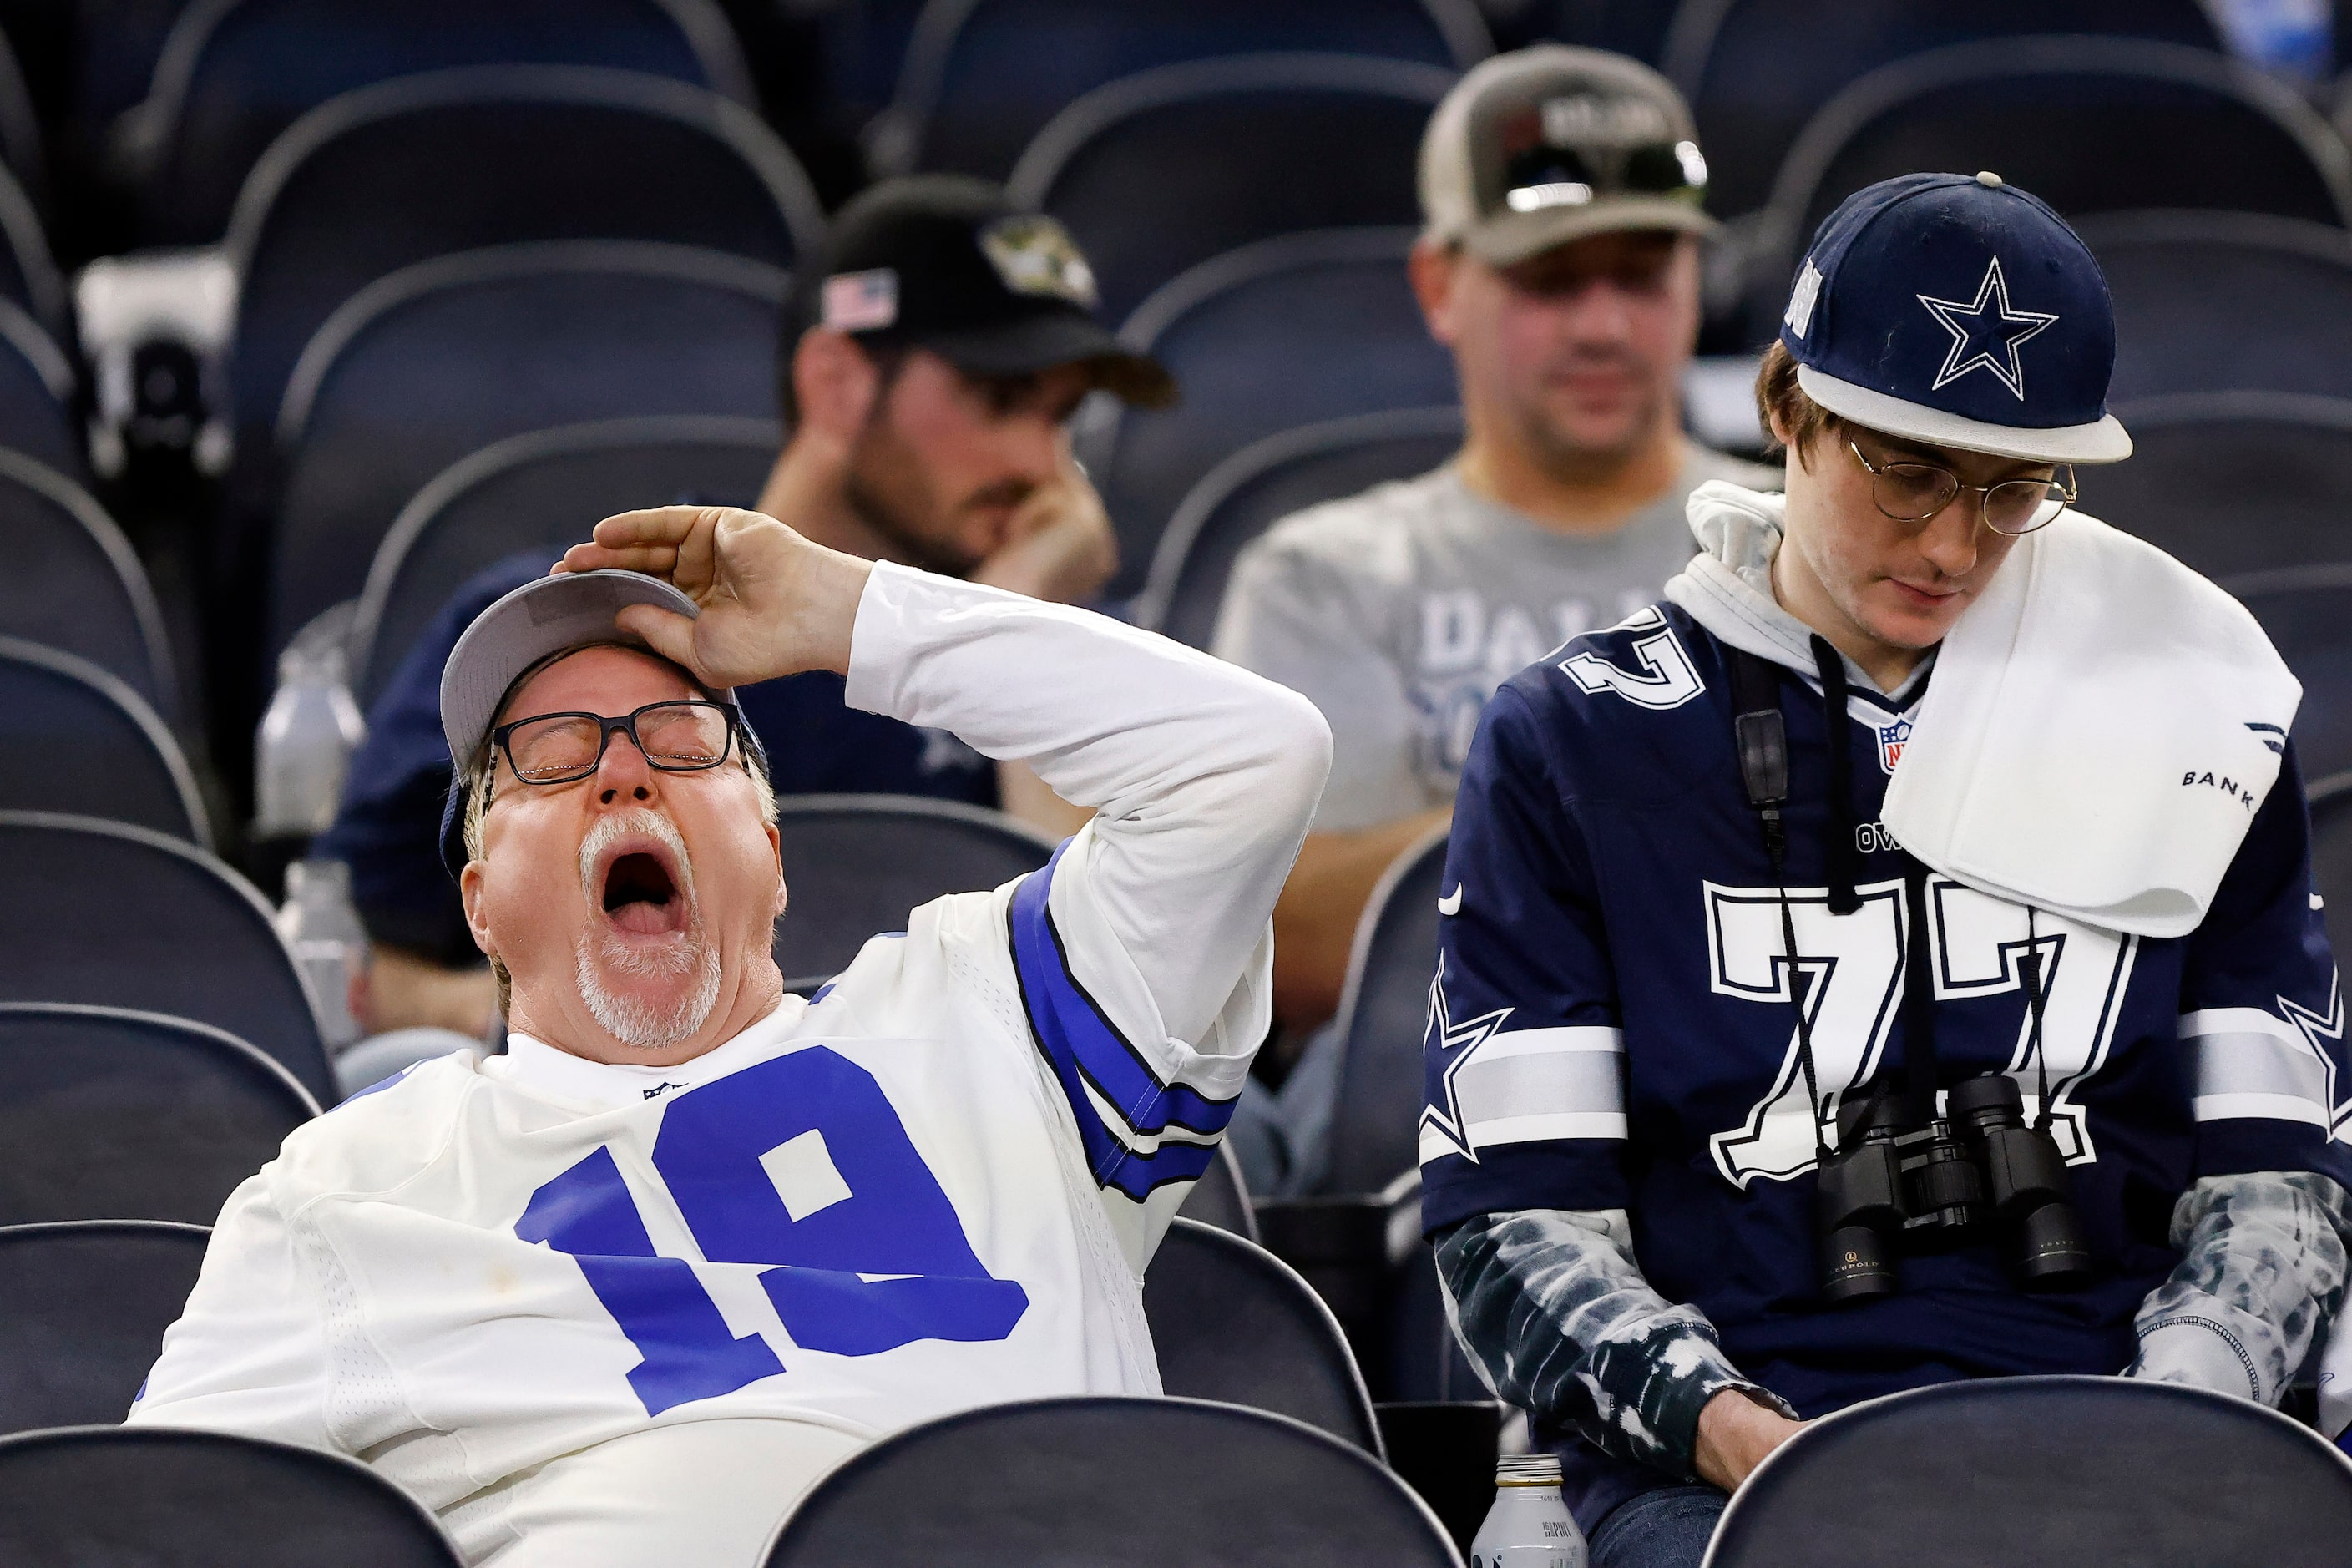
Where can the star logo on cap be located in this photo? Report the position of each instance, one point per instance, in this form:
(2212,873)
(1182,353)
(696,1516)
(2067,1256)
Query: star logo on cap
(1986,332)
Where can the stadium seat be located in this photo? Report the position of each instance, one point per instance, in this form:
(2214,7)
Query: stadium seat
(21,141)
(156,1496)
(1170,167)
(441,359)
(29,279)
(1232,1322)
(857,864)
(83,1307)
(2089,125)
(1755,70)
(1221,1198)
(1113,1483)
(410,170)
(1266,481)
(2044,1470)
(115,1114)
(541,490)
(37,395)
(982,76)
(235,73)
(2232,483)
(1288,332)
(2209,301)
(77,738)
(2307,611)
(2331,852)
(75,584)
(101,912)
(1384,1011)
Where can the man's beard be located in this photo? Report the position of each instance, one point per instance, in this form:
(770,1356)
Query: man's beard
(889,490)
(645,1025)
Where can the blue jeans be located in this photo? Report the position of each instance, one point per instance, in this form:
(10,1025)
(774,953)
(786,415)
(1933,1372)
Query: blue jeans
(1668,1528)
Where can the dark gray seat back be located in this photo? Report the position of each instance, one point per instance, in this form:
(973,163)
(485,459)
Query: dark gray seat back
(1266,481)
(1755,70)
(442,359)
(75,583)
(544,490)
(235,73)
(2058,1469)
(1384,1010)
(116,1114)
(459,159)
(151,1497)
(2089,125)
(982,76)
(1232,1322)
(1167,168)
(855,865)
(1291,331)
(83,1307)
(81,741)
(1056,1481)
(2210,302)
(116,916)
(2307,611)
(2232,483)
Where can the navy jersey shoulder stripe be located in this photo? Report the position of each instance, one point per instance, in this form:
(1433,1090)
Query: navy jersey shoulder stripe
(1087,1050)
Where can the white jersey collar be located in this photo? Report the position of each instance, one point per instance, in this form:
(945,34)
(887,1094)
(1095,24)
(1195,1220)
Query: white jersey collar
(556,1073)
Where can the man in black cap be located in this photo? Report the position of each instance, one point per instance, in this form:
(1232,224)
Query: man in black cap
(935,352)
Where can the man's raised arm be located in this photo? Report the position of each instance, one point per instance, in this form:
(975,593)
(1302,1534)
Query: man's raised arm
(1202,775)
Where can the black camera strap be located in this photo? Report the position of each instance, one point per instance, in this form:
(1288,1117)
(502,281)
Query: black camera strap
(1918,999)
(1761,735)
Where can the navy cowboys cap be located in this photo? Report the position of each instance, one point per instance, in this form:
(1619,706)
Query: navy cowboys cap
(1958,310)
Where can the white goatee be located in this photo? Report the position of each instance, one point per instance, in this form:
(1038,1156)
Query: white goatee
(642,1025)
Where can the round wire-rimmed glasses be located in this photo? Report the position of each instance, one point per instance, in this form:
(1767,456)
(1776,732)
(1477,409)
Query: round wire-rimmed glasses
(683,736)
(1913,492)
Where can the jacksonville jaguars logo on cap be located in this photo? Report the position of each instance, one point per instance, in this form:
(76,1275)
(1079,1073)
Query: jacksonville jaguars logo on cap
(1986,332)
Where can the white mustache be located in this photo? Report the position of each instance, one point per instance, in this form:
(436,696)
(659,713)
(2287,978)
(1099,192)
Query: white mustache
(641,819)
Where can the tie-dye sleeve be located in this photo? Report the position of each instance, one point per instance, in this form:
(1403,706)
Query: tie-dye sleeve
(2260,1278)
(1556,1316)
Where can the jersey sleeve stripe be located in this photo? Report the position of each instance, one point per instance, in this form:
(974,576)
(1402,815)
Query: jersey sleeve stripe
(2245,1063)
(1535,1075)
(1539,1129)
(1141,1144)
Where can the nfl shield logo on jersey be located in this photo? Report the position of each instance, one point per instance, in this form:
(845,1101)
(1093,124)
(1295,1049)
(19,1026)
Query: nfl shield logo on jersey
(1892,738)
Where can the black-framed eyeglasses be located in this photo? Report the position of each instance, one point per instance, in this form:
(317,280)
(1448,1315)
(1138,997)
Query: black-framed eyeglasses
(1553,176)
(1913,492)
(683,736)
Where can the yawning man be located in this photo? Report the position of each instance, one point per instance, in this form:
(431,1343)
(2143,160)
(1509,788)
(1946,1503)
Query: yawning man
(617,1297)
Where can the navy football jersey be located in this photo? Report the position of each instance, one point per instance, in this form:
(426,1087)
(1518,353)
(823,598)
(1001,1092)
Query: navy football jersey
(1611,1023)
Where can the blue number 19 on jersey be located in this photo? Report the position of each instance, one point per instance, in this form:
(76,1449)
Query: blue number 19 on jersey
(883,1212)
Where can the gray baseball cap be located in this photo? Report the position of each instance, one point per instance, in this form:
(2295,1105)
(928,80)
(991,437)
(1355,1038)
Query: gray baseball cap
(1546,145)
(538,620)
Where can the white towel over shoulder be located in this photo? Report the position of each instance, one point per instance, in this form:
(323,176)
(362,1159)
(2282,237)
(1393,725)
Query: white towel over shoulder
(2101,725)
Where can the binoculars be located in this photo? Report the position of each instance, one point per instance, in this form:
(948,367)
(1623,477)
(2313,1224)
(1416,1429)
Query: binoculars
(1979,1169)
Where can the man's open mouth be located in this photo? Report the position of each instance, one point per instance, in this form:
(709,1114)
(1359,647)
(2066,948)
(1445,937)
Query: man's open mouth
(641,894)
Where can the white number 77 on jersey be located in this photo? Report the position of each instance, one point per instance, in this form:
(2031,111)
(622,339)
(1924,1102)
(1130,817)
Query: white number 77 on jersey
(1853,992)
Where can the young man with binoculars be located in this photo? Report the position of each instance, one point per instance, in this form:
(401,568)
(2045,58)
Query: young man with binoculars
(1894,958)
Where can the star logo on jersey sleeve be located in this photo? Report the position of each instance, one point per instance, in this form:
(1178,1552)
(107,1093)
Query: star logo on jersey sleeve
(1986,332)
(1443,1130)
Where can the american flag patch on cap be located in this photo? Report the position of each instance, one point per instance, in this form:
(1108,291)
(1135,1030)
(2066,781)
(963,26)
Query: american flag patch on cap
(861,301)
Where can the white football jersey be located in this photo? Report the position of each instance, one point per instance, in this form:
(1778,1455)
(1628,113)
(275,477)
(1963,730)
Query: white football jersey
(934,1187)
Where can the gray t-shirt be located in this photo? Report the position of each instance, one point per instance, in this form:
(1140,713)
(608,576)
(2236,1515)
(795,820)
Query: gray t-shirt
(1399,611)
